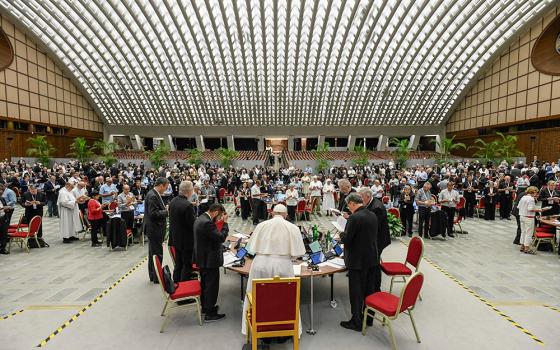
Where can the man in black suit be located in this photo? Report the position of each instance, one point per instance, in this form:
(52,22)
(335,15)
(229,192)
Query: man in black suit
(209,257)
(360,257)
(505,190)
(51,188)
(155,217)
(470,188)
(181,235)
(345,189)
(383,236)
(33,202)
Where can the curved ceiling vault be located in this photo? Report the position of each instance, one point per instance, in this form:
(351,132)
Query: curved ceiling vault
(281,63)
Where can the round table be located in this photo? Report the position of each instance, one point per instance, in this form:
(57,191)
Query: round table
(306,272)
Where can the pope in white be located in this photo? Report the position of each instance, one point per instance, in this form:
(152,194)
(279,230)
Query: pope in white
(275,243)
(69,213)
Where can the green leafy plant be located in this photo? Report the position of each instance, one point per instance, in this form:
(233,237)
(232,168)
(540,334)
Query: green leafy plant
(106,151)
(40,149)
(361,155)
(395,225)
(80,150)
(402,151)
(194,156)
(486,151)
(446,146)
(157,156)
(507,147)
(321,155)
(226,156)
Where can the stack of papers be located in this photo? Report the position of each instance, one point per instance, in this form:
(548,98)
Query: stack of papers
(229,258)
(340,223)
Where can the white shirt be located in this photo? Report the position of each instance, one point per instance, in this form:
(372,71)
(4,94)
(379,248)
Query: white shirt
(255,191)
(79,192)
(526,204)
(377,191)
(292,197)
(315,187)
(452,196)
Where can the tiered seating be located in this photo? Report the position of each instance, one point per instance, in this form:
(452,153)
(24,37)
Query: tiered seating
(181,155)
(348,155)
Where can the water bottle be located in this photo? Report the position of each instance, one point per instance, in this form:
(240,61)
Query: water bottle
(315,233)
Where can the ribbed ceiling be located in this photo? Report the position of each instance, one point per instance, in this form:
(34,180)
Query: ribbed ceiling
(281,63)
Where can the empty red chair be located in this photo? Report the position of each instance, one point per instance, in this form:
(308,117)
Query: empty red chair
(19,225)
(22,236)
(273,309)
(187,290)
(413,258)
(301,209)
(479,206)
(390,306)
(396,213)
(221,194)
(173,255)
(385,199)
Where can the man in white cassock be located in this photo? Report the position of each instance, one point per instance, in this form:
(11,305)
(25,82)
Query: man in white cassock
(69,214)
(275,243)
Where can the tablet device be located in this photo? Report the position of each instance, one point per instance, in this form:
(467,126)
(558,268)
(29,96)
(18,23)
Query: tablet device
(139,210)
(317,258)
(241,253)
(338,249)
(315,247)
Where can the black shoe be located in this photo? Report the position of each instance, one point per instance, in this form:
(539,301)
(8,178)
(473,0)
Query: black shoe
(155,281)
(214,310)
(213,317)
(186,302)
(66,240)
(4,252)
(74,238)
(451,235)
(350,325)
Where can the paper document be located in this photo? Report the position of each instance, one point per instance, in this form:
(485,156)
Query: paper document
(338,261)
(239,235)
(297,270)
(340,223)
(335,211)
(229,258)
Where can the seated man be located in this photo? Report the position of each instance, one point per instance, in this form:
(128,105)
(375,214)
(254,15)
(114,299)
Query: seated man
(275,243)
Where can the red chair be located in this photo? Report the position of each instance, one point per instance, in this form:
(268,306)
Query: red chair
(302,209)
(221,194)
(396,213)
(22,236)
(19,225)
(461,204)
(113,206)
(479,206)
(544,234)
(391,306)
(413,257)
(385,199)
(173,255)
(229,197)
(273,309)
(457,221)
(187,290)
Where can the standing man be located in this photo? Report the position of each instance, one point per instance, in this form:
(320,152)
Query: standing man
(424,202)
(360,256)
(469,192)
(345,189)
(506,190)
(3,225)
(51,190)
(155,218)
(256,201)
(69,214)
(449,199)
(376,206)
(209,257)
(33,201)
(181,235)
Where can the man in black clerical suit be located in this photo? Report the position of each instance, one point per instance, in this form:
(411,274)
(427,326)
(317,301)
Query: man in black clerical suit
(470,188)
(33,202)
(181,235)
(506,190)
(360,256)
(208,255)
(155,218)
(345,189)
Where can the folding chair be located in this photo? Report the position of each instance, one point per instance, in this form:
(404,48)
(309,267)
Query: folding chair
(22,236)
(273,309)
(173,255)
(187,290)
(390,306)
(413,258)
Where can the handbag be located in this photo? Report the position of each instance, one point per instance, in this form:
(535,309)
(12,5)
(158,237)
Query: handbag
(168,280)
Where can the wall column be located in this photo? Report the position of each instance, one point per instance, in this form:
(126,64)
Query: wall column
(383,143)
(291,140)
(170,142)
(260,145)
(138,142)
(438,143)
(413,142)
(230,142)
(351,142)
(200,142)
(321,140)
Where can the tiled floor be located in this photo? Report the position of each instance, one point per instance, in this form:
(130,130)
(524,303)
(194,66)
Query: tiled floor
(52,284)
